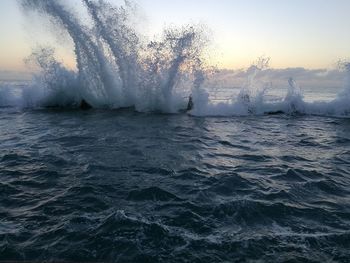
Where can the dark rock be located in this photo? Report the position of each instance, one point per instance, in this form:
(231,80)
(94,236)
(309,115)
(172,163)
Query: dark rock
(84,105)
(190,104)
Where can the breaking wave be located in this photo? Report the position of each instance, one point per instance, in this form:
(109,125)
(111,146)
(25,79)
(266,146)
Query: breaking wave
(117,67)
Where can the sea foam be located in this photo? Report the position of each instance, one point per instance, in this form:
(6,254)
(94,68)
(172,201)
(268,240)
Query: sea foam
(117,67)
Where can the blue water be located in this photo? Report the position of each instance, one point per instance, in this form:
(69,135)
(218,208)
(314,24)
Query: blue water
(121,186)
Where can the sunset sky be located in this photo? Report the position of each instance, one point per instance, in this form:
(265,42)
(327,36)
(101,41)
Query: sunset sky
(294,33)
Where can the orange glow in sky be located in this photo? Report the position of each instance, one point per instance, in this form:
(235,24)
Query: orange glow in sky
(299,33)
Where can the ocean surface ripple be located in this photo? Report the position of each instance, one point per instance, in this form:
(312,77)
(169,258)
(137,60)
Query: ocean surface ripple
(121,186)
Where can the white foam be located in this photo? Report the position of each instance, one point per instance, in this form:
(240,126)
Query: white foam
(118,68)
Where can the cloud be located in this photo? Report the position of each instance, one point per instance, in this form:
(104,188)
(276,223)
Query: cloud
(308,78)
(10,75)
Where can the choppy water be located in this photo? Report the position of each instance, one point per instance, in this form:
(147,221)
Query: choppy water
(120,186)
(113,185)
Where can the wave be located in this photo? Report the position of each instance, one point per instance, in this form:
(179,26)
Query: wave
(248,103)
(117,68)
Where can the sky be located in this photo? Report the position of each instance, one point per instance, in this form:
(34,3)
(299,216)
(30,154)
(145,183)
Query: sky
(293,33)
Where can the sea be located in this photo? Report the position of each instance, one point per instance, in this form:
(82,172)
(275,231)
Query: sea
(255,172)
(124,186)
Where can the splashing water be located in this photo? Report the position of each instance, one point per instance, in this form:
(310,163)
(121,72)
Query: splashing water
(252,99)
(117,67)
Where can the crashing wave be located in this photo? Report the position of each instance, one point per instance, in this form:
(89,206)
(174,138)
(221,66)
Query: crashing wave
(117,68)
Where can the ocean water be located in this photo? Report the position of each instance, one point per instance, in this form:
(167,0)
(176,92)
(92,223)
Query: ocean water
(122,186)
(257,171)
